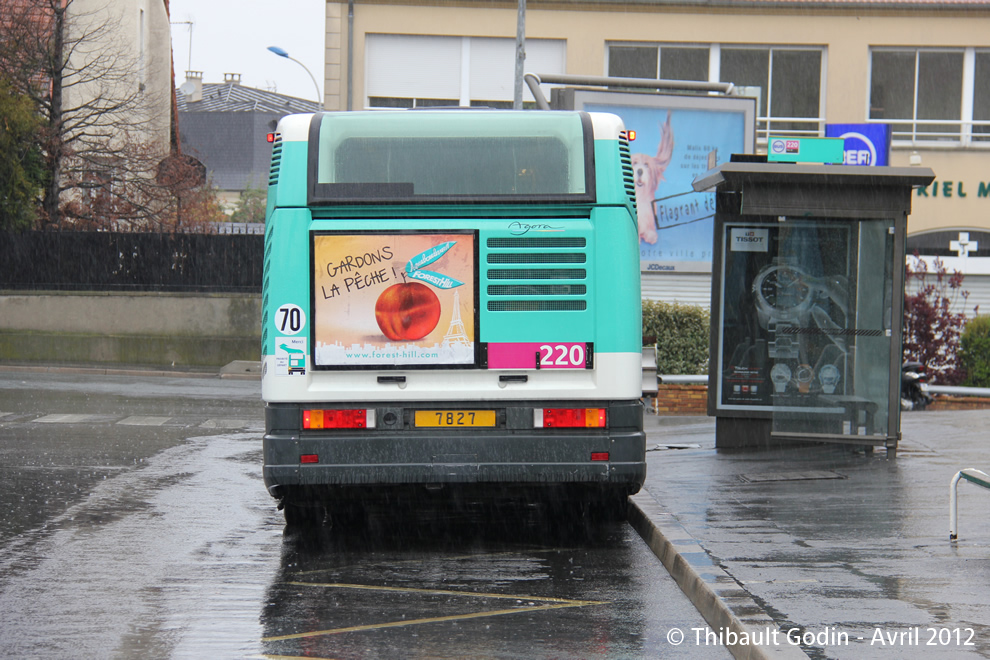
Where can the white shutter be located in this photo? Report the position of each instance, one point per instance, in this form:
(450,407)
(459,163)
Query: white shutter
(413,66)
(493,65)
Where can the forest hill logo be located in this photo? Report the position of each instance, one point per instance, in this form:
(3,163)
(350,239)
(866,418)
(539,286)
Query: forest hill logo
(414,267)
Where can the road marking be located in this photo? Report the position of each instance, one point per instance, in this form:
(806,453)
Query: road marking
(143,420)
(446,592)
(289,657)
(65,419)
(438,619)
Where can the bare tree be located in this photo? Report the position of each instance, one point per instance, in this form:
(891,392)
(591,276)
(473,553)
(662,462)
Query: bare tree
(101,150)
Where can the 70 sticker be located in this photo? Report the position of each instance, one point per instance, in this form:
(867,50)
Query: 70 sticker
(540,355)
(290,319)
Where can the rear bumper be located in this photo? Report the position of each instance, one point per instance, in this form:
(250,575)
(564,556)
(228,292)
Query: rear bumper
(507,456)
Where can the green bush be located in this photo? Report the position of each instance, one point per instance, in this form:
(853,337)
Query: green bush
(974,352)
(681,333)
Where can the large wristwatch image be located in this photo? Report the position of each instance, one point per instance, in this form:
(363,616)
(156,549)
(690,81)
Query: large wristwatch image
(784,296)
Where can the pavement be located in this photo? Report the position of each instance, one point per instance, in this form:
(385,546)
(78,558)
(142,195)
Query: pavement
(823,551)
(811,551)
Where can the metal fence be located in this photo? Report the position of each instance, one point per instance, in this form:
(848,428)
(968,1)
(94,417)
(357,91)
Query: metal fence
(108,261)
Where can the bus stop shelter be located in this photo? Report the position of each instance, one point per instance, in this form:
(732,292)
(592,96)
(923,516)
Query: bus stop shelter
(808,301)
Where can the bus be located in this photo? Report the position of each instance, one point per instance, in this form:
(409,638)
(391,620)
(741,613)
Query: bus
(451,308)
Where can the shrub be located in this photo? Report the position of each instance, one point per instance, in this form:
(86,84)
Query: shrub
(931,323)
(681,333)
(974,352)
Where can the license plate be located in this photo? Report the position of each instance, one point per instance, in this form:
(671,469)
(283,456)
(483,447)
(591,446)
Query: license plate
(455,418)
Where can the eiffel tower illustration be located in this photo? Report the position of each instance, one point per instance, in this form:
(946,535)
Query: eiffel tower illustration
(456,332)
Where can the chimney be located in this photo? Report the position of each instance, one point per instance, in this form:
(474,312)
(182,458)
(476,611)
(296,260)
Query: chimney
(193,87)
(234,78)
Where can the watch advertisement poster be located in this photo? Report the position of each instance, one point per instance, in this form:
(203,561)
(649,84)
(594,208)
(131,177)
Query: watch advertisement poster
(399,299)
(785,313)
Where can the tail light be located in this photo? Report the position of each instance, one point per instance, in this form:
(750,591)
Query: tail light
(338,419)
(570,418)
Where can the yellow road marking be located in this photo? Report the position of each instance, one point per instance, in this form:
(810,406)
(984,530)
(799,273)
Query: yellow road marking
(439,619)
(444,592)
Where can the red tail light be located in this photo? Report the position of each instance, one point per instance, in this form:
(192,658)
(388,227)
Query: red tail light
(338,419)
(270,137)
(573,418)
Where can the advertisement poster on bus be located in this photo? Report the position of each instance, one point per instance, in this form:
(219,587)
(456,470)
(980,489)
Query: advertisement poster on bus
(393,299)
(677,138)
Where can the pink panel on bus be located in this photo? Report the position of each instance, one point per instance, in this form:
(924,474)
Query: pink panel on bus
(524,355)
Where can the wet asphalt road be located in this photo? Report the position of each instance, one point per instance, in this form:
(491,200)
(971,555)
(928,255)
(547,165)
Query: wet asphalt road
(134,523)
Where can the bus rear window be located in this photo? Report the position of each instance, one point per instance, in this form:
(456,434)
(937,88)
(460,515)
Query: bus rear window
(451,156)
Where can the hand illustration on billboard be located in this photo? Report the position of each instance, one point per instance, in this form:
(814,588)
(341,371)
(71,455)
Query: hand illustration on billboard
(647,174)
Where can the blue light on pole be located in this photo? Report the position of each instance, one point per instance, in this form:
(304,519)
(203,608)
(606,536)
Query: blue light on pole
(281,52)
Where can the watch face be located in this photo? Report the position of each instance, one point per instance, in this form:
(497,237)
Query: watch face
(784,288)
(829,374)
(804,373)
(780,373)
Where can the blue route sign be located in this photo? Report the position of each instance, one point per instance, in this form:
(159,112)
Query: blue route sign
(866,144)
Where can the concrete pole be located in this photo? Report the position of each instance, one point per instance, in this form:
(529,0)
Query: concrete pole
(520,55)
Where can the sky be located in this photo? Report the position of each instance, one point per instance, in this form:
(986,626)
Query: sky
(232,36)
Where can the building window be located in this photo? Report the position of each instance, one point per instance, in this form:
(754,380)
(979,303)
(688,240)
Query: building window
(789,85)
(402,102)
(405,70)
(787,81)
(931,95)
(981,96)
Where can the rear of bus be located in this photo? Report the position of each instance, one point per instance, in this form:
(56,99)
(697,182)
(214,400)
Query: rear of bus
(451,304)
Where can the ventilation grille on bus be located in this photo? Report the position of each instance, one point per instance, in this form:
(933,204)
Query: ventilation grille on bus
(628,177)
(549,279)
(276,160)
(269,234)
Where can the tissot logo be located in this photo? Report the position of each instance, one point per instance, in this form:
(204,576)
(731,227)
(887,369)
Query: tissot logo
(748,240)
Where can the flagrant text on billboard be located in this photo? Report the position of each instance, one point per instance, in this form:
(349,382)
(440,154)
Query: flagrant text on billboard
(393,299)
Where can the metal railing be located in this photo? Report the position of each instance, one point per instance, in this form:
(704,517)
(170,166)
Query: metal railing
(978,477)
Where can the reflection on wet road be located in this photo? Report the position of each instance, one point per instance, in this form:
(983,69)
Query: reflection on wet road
(135,524)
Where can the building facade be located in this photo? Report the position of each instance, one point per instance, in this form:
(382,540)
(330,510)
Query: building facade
(922,67)
(224,126)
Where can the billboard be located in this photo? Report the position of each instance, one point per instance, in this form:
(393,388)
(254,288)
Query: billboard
(677,139)
(394,299)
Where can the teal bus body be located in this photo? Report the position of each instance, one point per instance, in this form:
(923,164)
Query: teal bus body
(510,239)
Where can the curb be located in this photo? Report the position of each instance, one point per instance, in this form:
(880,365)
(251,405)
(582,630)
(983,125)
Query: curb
(729,610)
(130,371)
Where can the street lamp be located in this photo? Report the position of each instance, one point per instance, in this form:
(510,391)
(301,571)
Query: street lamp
(281,52)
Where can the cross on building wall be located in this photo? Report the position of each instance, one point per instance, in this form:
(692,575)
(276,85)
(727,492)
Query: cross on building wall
(963,246)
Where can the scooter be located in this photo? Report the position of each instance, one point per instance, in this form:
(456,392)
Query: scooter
(914,387)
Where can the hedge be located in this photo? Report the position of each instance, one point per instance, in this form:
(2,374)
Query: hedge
(974,352)
(681,333)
